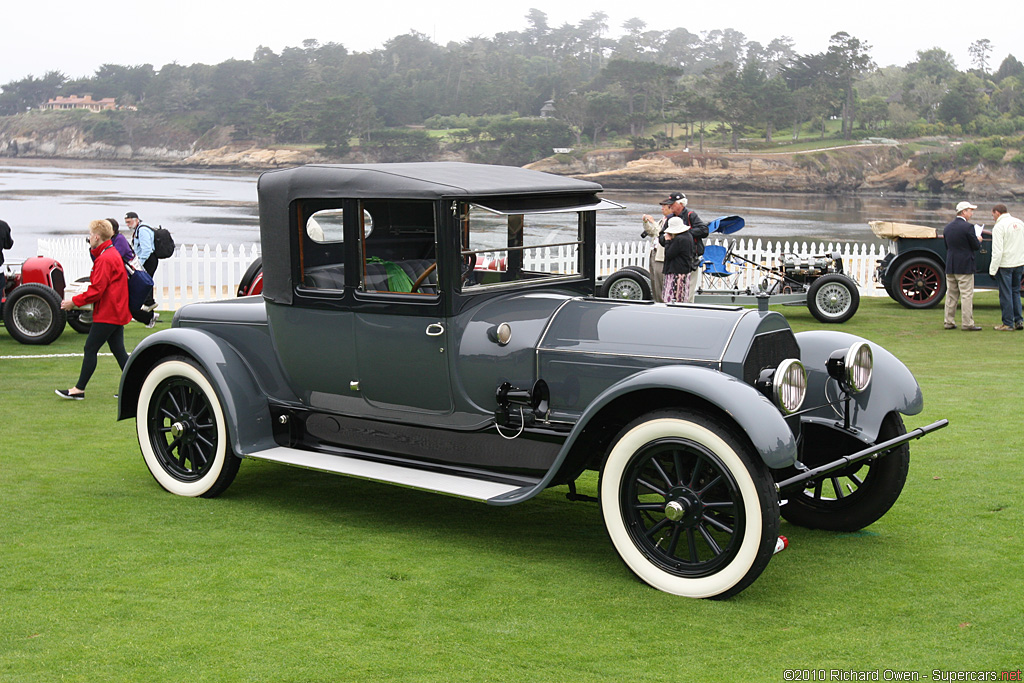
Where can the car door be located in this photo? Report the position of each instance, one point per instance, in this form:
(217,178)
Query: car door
(401,335)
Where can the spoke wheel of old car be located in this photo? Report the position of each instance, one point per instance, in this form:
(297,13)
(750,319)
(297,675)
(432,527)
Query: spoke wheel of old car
(689,507)
(182,433)
(627,284)
(919,283)
(857,496)
(32,314)
(833,298)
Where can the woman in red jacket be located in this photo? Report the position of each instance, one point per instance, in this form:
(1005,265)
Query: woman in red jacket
(108,294)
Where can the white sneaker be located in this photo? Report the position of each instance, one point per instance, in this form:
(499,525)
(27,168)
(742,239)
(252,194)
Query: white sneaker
(156,317)
(149,307)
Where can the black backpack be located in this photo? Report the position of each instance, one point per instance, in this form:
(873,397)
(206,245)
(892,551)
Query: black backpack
(163,243)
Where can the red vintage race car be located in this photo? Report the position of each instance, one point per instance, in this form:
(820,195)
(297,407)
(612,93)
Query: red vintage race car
(31,300)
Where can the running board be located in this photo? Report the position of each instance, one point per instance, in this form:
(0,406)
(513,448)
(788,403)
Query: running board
(439,482)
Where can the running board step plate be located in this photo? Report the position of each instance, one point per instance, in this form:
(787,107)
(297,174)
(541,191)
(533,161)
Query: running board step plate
(464,487)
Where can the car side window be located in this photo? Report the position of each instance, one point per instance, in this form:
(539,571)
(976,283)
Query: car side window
(323,249)
(500,247)
(399,256)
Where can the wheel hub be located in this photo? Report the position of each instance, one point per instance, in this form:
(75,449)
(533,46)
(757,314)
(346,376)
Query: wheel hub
(184,428)
(684,507)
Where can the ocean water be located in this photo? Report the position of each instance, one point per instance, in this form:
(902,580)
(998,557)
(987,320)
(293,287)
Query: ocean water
(42,199)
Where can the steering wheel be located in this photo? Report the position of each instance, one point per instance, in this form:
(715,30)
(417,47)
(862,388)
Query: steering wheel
(423,276)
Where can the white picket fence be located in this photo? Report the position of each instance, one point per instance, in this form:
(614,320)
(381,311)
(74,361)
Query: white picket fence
(201,272)
(194,273)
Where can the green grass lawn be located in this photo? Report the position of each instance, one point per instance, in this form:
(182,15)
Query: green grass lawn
(293,575)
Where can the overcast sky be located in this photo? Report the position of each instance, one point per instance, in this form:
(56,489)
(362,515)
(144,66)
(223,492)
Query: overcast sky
(76,38)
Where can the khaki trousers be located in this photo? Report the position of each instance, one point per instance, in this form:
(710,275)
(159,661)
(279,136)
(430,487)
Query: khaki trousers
(960,287)
(657,278)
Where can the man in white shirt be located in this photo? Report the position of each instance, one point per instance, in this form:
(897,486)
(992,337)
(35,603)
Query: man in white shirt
(1007,266)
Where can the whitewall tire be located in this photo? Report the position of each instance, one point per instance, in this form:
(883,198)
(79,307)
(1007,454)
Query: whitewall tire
(182,431)
(690,508)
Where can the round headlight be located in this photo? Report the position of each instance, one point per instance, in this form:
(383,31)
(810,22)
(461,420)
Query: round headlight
(851,367)
(789,385)
(859,363)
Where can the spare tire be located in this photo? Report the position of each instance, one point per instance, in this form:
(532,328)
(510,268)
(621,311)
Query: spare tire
(628,284)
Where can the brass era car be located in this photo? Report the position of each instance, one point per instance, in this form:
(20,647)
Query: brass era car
(418,325)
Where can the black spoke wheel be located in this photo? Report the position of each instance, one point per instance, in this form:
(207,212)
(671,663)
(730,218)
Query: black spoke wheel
(856,496)
(683,507)
(688,506)
(919,283)
(182,433)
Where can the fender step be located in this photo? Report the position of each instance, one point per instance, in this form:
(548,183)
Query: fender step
(472,487)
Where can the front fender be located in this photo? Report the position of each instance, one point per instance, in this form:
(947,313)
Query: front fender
(761,422)
(244,402)
(893,387)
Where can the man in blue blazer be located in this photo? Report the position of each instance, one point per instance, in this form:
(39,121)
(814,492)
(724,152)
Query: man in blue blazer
(962,240)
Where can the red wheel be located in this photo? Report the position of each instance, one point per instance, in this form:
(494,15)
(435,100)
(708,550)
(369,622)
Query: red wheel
(919,283)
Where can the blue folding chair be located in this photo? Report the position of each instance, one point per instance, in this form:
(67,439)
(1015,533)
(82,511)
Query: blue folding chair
(716,274)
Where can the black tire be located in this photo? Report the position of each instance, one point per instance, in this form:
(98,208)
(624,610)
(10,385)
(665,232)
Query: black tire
(833,298)
(627,284)
(687,465)
(182,430)
(857,496)
(80,321)
(919,282)
(255,268)
(32,314)
(639,269)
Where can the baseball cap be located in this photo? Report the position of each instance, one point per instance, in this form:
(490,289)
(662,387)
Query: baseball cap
(131,214)
(673,198)
(964,205)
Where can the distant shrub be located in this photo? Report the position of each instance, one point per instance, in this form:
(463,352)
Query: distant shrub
(993,155)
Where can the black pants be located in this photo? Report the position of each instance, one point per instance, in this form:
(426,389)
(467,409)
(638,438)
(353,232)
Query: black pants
(150,267)
(100,333)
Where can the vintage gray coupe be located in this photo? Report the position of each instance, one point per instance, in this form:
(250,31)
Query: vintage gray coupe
(434,326)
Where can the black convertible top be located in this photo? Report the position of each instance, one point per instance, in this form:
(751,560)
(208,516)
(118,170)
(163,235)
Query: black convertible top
(429,180)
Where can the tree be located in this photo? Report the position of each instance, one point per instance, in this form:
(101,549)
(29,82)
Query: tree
(927,80)
(814,93)
(639,81)
(963,101)
(846,59)
(979,51)
(573,110)
(30,92)
(1009,67)
(604,109)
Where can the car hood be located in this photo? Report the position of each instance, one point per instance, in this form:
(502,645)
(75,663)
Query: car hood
(642,329)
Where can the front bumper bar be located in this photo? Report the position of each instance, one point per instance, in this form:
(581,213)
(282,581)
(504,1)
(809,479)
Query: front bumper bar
(797,482)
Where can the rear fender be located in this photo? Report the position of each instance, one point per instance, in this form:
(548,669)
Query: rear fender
(893,387)
(245,404)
